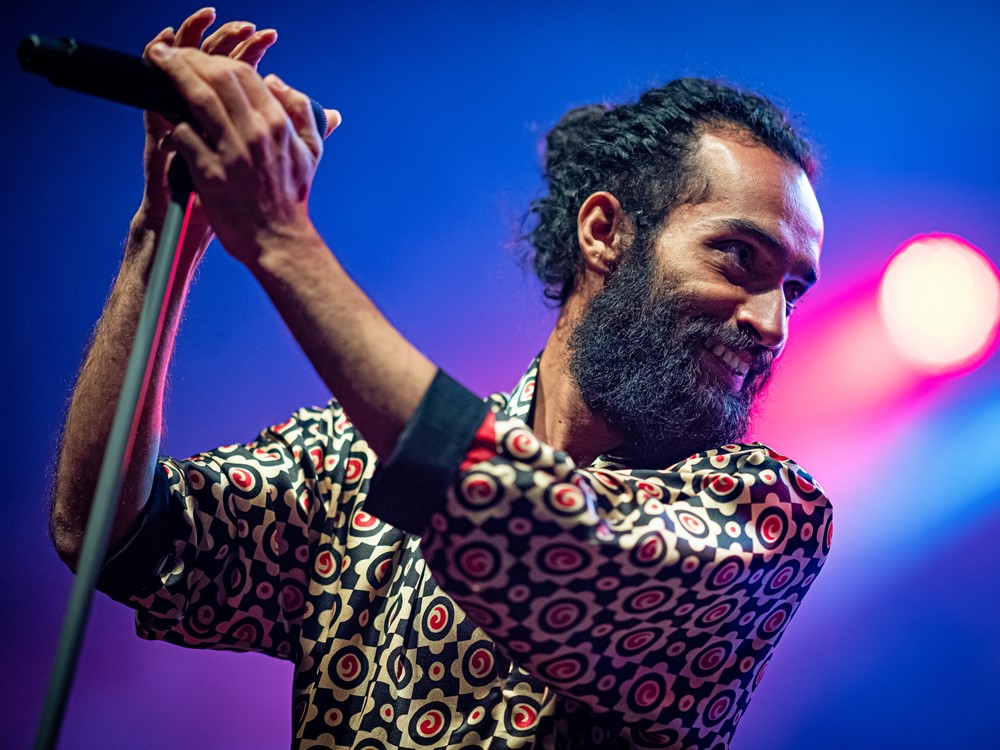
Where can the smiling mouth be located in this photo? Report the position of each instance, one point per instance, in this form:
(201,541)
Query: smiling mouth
(736,363)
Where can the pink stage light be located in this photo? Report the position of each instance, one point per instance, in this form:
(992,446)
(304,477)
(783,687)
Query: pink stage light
(940,303)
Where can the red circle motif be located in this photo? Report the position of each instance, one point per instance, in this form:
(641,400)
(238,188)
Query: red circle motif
(722,484)
(246,633)
(438,619)
(782,577)
(726,573)
(645,600)
(772,529)
(524,717)
(568,497)
(477,563)
(241,478)
(711,659)
(523,443)
(639,640)
(291,598)
(760,674)
(652,490)
(647,693)
(717,612)
(562,559)
(774,622)
(481,662)
(478,489)
(564,669)
(691,522)
(719,709)
(651,549)
(324,563)
(560,616)
(430,723)
(348,667)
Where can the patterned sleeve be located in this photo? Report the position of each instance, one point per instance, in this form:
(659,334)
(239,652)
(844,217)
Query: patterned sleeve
(654,595)
(227,544)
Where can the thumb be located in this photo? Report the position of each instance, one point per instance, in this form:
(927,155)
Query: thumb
(333,120)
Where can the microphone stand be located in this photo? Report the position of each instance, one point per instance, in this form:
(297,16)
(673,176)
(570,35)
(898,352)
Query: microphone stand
(118,451)
(134,81)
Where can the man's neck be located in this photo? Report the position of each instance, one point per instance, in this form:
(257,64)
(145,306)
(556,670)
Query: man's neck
(561,418)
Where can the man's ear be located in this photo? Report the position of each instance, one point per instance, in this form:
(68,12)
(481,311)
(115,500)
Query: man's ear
(600,229)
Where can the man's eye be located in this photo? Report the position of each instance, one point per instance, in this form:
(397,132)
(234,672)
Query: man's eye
(792,296)
(740,253)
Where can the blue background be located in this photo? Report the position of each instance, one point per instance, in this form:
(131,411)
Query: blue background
(421,194)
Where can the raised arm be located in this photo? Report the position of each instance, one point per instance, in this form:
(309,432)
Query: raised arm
(95,396)
(255,149)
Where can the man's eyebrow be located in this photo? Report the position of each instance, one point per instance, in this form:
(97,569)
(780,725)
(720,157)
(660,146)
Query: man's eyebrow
(752,229)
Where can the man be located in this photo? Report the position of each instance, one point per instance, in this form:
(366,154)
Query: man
(589,562)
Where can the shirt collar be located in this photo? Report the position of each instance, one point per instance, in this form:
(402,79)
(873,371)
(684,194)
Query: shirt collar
(520,404)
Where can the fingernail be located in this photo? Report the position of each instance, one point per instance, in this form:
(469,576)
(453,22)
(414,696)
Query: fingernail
(250,26)
(160,51)
(278,83)
(333,120)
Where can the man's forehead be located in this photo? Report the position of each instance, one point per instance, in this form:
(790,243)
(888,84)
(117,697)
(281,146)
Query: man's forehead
(747,180)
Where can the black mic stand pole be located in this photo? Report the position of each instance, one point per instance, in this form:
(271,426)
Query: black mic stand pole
(117,452)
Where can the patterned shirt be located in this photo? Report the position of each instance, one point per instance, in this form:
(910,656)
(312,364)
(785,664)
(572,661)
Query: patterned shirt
(480,590)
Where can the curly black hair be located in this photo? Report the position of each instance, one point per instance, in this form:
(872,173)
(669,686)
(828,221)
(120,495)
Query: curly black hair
(643,154)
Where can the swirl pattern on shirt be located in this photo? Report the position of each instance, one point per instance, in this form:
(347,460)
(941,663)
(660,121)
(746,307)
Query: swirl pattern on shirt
(546,605)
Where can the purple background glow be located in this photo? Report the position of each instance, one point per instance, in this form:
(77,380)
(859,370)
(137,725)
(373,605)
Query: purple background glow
(420,194)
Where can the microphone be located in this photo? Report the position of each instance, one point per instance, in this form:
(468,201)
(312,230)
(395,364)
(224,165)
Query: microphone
(122,78)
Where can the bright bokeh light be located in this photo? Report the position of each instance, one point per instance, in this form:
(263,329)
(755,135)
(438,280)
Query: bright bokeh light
(940,301)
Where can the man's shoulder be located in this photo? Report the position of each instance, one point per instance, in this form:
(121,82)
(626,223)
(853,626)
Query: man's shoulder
(731,473)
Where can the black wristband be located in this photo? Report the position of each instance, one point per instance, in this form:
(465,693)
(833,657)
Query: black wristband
(412,484)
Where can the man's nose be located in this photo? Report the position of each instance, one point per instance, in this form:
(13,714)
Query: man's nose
(764,314)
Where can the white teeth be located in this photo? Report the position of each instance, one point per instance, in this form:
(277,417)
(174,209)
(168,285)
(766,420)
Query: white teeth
(732,359)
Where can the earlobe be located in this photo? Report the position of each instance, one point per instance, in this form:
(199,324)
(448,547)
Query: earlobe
(600,224)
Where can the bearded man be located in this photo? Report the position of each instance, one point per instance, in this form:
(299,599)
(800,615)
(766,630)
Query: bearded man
(591,561)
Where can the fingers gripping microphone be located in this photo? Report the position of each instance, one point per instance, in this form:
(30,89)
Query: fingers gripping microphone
(112,75)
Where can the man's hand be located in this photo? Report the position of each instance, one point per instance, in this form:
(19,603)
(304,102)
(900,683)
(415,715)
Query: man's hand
(237,40)
(91,410)
(252,150)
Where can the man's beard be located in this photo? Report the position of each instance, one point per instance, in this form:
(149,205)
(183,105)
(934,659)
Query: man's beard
(638,357)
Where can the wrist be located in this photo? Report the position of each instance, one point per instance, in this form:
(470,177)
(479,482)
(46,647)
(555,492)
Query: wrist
(293,252)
